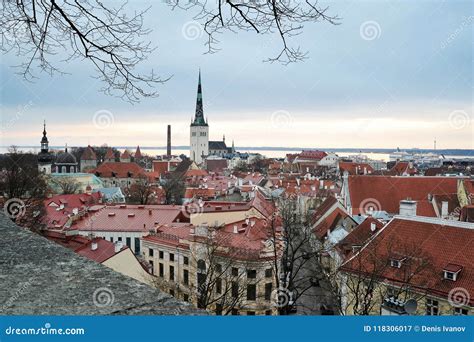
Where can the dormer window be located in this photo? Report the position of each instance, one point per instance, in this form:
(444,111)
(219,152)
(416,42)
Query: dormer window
(451,272)
(397,263)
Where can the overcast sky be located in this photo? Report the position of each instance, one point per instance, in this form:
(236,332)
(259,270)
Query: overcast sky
(391,74)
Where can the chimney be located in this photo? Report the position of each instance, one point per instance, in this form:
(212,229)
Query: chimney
(168,142)
(373,226)
(118,246)
(201,231)
(407,208)
(235,229)
(94,246)
(444,209)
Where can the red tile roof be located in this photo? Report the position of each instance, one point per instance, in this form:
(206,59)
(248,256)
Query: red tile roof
(138,153)
(330,222)
(125,155)
(312,154)
(438,242)
(360,234)
(89,154)
(109,154)
(129,218)
(119,170)
(200,193)
(246,244)
(386,192)
(82,245)
(355,168)
(56,218)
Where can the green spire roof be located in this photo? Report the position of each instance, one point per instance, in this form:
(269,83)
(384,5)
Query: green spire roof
(199,115)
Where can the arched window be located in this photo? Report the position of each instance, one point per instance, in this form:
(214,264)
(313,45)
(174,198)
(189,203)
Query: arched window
(63,169)
(73,169)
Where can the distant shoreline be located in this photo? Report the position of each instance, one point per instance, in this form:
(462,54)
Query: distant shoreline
(463,152)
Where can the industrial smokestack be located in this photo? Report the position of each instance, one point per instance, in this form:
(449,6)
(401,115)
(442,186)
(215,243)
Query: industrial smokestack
(168,142)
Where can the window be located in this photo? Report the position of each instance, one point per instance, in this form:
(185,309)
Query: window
(172,292)
(186,260)
(395,263)
(268,291)
(218,285)
(162,270)
(171,257)
(449,275)
(268,312)
(251,274)
(137,246)
(128,242)
(171,272)
(201,264)
(111,239)
(193,134)
(251,292)
(250,313)
(268,273)
(235,289)
(119,239)
(218,268)
(235,312)
(150,252)
(161,254)
(235,271)
(186,297)
(218,309)
(185,277)
(432,308)
(460,312)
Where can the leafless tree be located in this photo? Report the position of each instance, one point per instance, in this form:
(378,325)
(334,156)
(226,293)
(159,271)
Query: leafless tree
(296,272)
(111,38)
(141,191)
(174,187)
(286,19)
(222,280)
(22,188)
(363,280)
(66,185)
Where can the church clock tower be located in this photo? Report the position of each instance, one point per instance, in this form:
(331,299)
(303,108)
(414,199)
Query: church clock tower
(199,132)
(45,159)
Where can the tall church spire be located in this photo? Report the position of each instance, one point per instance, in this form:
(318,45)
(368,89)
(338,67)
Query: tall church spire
(44,139)
(199,116)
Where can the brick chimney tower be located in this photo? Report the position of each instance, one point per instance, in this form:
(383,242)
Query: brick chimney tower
(168,142)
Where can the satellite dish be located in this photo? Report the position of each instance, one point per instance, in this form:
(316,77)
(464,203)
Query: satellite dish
(410,306)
